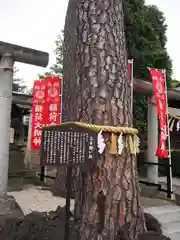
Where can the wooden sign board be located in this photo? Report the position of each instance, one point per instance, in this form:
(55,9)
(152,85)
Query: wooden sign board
(68,145)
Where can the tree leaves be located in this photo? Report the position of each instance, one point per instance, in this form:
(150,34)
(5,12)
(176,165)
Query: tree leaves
(18,83)
(145,30)
(57,68)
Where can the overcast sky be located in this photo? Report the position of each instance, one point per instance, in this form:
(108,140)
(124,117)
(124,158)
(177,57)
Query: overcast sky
(36,23)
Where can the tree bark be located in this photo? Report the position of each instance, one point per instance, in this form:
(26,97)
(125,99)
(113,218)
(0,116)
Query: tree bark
(96,91)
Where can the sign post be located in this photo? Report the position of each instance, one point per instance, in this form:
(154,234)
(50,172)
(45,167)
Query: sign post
(71,146)
(68,201)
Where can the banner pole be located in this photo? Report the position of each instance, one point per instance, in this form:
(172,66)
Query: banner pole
(132,85)
(130,61)
(169,175)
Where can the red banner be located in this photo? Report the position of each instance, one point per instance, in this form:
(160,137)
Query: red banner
(130,76)
(52,105)
(158,81)
(46,107)
(37,113)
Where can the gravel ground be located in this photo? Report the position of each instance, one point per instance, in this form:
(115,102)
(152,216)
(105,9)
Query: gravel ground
(34,198)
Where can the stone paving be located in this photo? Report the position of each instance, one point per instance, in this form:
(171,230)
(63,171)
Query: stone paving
(36,198)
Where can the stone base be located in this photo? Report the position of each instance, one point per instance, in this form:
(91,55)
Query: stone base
(9,209)
(177,199)
(147,191)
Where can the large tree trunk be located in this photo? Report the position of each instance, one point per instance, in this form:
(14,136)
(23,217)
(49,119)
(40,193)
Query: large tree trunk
(96,91)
